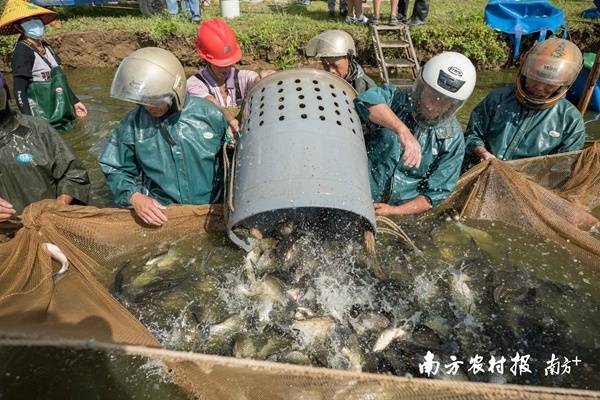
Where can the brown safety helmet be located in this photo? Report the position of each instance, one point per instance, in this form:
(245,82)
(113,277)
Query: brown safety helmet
(555,62)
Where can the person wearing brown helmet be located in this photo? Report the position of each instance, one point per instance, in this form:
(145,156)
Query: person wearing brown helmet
(532,117)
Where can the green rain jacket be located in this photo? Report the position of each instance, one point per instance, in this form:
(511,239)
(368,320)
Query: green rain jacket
(180,163)
(36,163)
(442,151)
(510,130)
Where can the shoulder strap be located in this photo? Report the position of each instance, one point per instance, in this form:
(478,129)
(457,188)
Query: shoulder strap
(238,93)
(38,53)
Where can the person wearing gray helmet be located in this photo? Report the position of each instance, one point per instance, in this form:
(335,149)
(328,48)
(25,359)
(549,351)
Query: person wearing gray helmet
(337,52)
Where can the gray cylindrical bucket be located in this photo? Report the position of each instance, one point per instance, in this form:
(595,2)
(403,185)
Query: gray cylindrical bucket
(230,8)
(301,151)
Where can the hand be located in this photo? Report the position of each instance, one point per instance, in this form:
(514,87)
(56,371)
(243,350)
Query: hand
(483,154)
(412,149)
(264,73)
(234,125)
(80,110)
(148,209)
(384,209)
(64,199)
(7,210)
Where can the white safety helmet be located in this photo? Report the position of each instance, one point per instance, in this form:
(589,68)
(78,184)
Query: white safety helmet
(445,83)
(331,43)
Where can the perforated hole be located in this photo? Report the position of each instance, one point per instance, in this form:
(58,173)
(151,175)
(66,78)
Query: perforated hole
(315,82)
(281,99)
(321,108)
(302,105)
(331,86)
(322,117)
(262,90)
(303,116)
(351,120)
(349,111)
(262,105)
(317,89)
(298,89)
(281,118)
(335,103)
(338,112)
(297,81)
(333,94)
(281,107)
(347,102)
(354,131)
(262,98)
(343,91)
(280,90)
(301,97)
(339,123)
(261,113)
(261,123)
(319,98)
(280,83)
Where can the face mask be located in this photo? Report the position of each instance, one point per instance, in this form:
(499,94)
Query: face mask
(33,28)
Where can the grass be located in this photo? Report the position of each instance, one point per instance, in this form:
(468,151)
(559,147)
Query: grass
(276,32)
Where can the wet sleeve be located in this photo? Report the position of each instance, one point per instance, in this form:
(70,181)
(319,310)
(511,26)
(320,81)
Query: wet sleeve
(68,171)
(215,118)
(478,125)
(442,180)
(22,66)
(120,165)
(20,85)
(377,95)
(574,133)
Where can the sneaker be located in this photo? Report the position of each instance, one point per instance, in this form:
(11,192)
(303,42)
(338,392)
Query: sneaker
(362,20)
(343,12)
(350,20)
(394,21)
(415,22)
(196,19)
(374,21)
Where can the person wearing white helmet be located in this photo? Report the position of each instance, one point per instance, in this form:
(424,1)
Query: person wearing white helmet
(337,53)
(531,117)
(414,143)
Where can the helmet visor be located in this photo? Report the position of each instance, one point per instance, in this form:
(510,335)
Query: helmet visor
(555,71)
(431,107)
(143,82)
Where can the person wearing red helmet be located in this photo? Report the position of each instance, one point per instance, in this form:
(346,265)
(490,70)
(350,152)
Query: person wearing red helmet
(220,82)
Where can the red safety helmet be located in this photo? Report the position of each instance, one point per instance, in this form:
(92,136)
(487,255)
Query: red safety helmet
(216,43)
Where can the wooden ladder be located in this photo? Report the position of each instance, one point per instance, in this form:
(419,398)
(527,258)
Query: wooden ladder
(394,50)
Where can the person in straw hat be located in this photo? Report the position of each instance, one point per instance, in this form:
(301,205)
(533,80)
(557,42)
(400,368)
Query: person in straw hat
(40,86)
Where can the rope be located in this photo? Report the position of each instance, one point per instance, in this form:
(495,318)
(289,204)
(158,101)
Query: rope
(393,229)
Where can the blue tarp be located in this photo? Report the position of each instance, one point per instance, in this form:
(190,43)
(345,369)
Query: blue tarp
(523,17)
(593,13)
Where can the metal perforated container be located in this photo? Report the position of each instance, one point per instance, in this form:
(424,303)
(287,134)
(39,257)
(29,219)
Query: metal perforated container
(301,155)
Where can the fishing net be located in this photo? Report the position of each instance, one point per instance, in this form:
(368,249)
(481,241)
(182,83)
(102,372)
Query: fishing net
(552,196)
(40,306)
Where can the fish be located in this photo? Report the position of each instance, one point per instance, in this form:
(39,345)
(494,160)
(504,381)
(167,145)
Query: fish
(388,336)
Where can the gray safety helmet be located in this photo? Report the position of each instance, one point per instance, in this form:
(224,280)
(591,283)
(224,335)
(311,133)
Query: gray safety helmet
(150,76)
(331,43)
